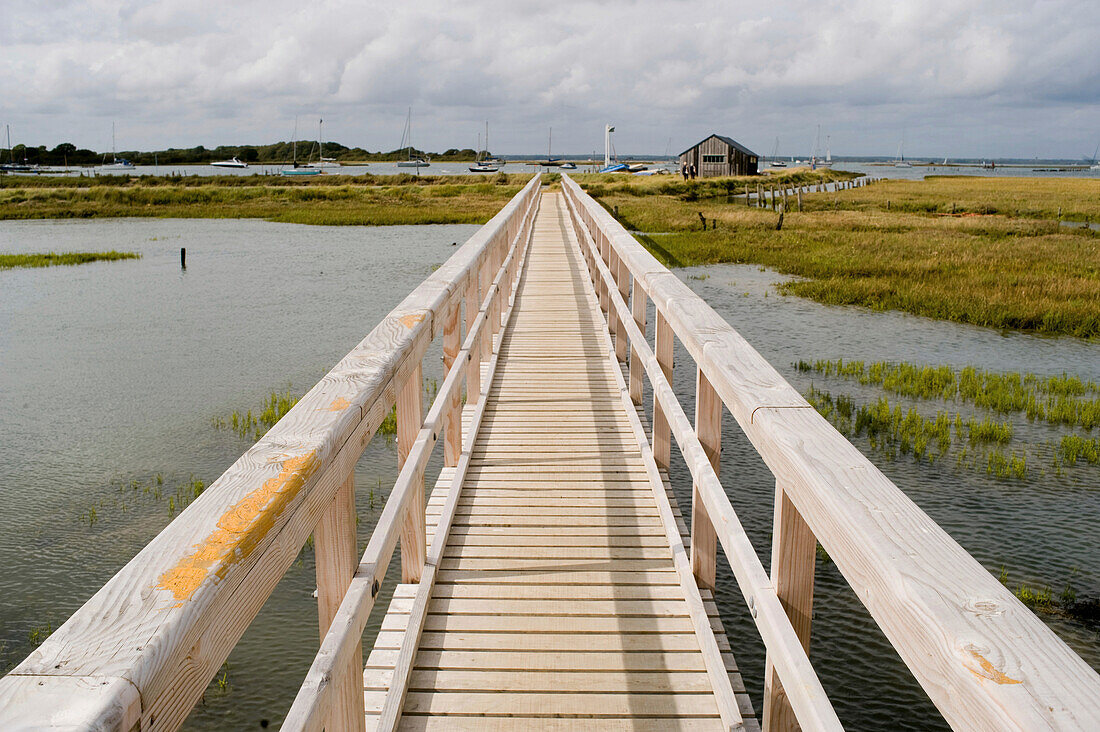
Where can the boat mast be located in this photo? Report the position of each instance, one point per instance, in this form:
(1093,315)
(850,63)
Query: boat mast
(607,130)
(320,141)
(294,144)
(549,144)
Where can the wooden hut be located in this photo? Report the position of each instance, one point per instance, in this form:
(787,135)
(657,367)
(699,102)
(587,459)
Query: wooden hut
(720,155)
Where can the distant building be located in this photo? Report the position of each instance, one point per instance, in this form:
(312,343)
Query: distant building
(719,155)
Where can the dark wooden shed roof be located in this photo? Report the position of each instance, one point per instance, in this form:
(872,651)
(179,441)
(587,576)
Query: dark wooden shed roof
(728,140)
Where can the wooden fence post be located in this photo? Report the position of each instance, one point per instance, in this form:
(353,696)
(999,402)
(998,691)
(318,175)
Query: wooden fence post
(794,552)
(614,326)
(452,423)
(410,417)
(708,427)
(336,555)
(663,348)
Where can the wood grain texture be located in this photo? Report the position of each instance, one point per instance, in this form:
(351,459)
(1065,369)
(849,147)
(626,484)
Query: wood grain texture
(984,659)
(168,619)
(807,697)
(335,550)
(410,417)
(708,428)
(315,696)
(794,557)
(545,577)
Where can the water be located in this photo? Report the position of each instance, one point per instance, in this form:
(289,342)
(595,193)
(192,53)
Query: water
(869,168)
(112,372)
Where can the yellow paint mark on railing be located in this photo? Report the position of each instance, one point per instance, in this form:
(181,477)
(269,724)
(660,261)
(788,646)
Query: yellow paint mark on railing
(240,529)
(987,670)
(412,320)
(339,404)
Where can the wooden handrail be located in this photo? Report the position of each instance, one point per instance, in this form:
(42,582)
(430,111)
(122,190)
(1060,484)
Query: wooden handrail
(985,660)
(313,700)
(143,648)
(807,696)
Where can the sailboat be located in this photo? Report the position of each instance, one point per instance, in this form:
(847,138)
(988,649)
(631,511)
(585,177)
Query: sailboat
(814,162)
(414,161)
(322,161)
(900,161)
(116,163)
(774,161)
(549,162)
(12,166)
(296,169)
(482,164)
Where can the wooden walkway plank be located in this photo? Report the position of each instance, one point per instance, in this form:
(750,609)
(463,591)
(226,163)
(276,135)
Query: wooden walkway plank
(557,603)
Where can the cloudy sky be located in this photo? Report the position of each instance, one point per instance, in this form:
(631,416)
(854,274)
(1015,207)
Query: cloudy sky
(984,78)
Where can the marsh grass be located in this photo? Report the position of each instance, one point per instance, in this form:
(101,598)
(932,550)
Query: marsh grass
(1078,199)
(54,259)
(1074,447)
(893,431)
(997,271)
(254,426)
(328,200)
(1059,400)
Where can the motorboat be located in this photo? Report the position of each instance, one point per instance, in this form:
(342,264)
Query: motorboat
(568,166)
(231,163)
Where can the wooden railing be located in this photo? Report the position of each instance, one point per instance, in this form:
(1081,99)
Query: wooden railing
(141,651)
(985,660)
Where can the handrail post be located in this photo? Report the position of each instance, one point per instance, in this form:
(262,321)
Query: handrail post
(613,325)
(794,551)
(708,427)
(638,300)
(601,286)
(473,373)
(410,417)
(621,279)
(662,438)
(336,553)
(452,422)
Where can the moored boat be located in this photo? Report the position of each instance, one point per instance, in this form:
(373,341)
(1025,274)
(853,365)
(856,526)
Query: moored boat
(231,163)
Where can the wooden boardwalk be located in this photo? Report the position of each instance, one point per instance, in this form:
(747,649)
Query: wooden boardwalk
(557,603)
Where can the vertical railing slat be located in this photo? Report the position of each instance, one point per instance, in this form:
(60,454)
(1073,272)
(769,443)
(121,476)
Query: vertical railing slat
(794,552)
(708,427)
(452,423)
(336,554)
(637,368)
(663,339)
(410,416)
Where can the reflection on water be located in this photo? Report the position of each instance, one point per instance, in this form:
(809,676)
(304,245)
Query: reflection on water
(112,372)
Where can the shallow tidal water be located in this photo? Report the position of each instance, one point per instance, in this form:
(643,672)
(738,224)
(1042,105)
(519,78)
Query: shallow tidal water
(113,372)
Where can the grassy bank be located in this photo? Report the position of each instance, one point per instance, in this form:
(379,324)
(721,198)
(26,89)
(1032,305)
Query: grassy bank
(52,259)
(331,199)
(992,270)
(1036,198)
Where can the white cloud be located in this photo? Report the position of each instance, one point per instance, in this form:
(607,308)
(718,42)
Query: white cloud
(1021,77)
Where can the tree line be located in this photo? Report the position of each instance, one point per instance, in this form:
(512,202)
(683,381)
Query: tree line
(275,154)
